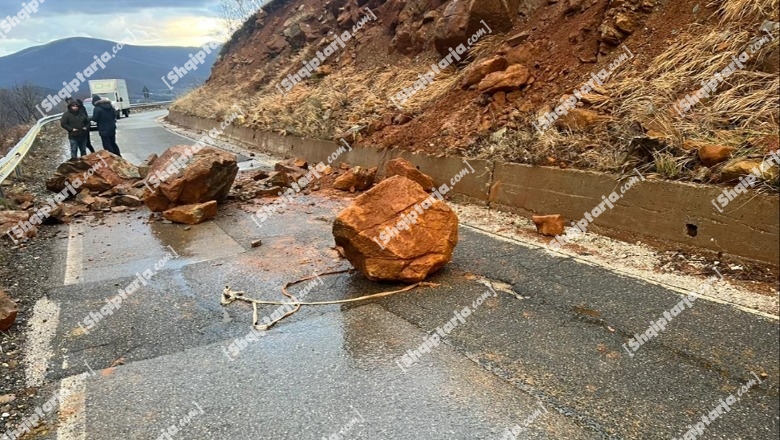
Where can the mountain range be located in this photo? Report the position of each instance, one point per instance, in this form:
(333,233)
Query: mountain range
(49,65)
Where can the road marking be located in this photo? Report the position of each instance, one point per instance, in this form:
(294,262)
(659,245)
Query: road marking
(73,417)
(73,263)
(626,274)
(40,334)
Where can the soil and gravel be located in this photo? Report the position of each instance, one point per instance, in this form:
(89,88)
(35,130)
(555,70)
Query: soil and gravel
(564,47)
(24,276)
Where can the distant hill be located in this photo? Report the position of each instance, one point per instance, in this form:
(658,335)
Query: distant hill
(49,65)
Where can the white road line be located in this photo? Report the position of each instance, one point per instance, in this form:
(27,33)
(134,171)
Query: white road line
(73,416)
(40,334)
(73,264)
(627,274)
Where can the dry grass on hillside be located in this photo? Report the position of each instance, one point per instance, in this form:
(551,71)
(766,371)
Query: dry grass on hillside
(639,100)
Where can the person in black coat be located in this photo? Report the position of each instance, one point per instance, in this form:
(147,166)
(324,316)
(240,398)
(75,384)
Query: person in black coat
(77,127)
(105,118)
(83,112)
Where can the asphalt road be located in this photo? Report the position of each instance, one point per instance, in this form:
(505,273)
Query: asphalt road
(549,350)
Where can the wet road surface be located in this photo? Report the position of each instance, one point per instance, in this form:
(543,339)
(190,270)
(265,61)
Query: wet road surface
(547,350)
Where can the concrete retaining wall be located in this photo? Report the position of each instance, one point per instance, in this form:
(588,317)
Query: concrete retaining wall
(669,211)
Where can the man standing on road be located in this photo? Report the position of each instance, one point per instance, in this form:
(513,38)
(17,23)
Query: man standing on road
(105,118)
(83,112)
(77,127)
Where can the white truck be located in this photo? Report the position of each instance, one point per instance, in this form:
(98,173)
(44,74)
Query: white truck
(114,90)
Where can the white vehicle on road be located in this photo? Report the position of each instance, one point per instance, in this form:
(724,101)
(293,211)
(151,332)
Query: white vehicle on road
(114,90)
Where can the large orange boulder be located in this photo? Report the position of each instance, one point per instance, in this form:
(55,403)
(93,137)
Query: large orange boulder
(186,175)
(99,171)
(402,167)
(397,232)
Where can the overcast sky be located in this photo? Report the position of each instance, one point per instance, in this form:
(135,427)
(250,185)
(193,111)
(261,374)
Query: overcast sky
(153,22)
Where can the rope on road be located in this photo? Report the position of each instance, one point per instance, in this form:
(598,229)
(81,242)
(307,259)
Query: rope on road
(229,296)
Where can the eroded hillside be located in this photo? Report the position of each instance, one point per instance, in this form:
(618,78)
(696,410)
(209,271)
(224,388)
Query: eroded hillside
(631,62)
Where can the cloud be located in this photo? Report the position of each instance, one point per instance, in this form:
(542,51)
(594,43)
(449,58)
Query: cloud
(103,7)
(173,23)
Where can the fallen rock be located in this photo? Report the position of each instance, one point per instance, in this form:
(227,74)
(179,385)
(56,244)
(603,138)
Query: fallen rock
(20,198)
(292,166)
(127,190)
(100,203)
(65,211)
(478,71)
(98,171)
(401,119)
(742,167)
(126,200)
(192,214)
(462,18)
(11,219)
(363,231)
(268,192)
(280,179)
(581,119)
(610,35)
(143,171)
(297,162)
(521,55)
(711,155)
(550,225)
(85,197)
(402,167)
(767,144)
(285,175)
(8,311)
(151,159)
(260,175)
(206,176)
(518,38)
(508,80)
(627,23)
(356,179)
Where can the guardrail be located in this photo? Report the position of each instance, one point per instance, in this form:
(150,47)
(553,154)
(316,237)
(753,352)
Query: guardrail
(11,161)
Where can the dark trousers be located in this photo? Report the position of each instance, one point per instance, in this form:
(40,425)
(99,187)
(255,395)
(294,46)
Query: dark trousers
(89,144)
(109,144)
(78,146)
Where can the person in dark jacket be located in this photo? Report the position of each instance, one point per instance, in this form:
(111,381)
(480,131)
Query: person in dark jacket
(77,127)
(105,118)
(83,112)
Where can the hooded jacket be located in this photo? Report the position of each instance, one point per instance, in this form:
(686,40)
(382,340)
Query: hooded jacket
(104,116)
(75,121)
(82,109)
